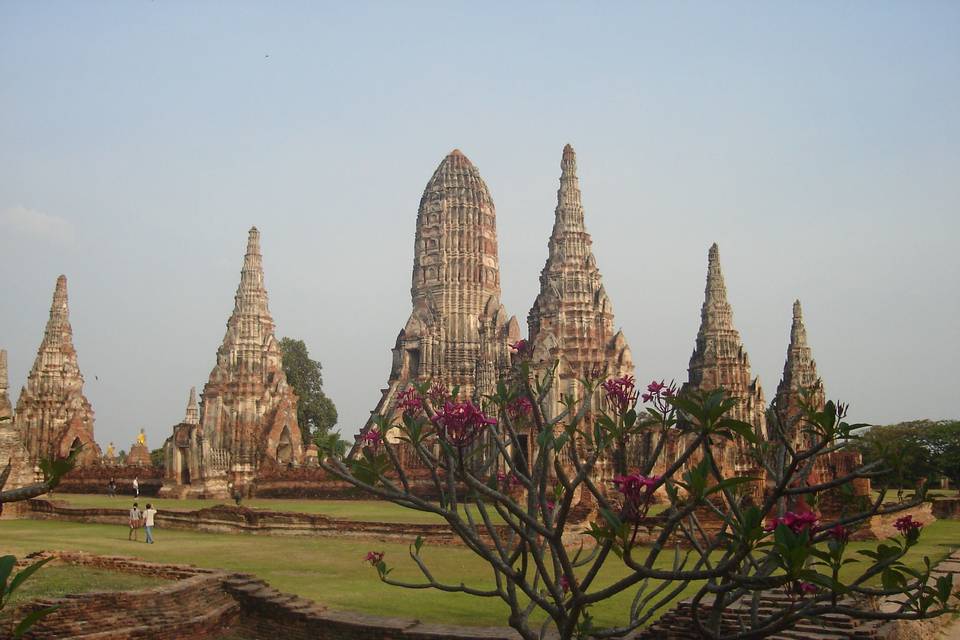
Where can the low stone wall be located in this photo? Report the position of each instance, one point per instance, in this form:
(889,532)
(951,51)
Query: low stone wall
(95,478)
(229,519)
(947,508)
(205,604)
(313,482)
(194,605)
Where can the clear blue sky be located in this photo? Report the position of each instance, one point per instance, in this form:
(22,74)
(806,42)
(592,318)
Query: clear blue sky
(818,143)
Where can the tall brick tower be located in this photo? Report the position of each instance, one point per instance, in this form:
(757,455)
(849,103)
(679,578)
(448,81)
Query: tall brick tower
(571,320)
(249,411)
(53,415)
(720,361)
(458,331)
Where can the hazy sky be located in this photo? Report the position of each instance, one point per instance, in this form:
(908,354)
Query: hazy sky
(817,143)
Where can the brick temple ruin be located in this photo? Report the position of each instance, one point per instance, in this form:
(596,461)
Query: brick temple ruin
(53,416)
(458,333)
(571,321)
(248,414)
(244,428)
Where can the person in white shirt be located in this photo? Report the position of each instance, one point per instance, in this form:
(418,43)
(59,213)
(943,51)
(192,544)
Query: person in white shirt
(134,522)
(148,514)
(136,488)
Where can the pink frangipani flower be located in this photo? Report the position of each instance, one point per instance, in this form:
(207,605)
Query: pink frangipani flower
(459,423)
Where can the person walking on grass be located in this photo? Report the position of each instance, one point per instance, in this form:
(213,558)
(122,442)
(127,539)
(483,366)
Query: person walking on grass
(136,487)
(134,522)
(148,522)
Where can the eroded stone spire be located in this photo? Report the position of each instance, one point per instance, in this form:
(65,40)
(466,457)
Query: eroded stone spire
(571,319)
(6,409)
(799,377)
(719,359)
(193,411)
(249,410)
(458,330)
(53,415)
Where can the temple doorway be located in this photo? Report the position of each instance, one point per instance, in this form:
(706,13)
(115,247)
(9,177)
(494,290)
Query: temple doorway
(285,447)
(184,465)
(75,446)
(522,454)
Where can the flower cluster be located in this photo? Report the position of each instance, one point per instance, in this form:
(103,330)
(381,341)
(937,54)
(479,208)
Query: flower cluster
(906,524)
(564,583)
(659,394)
(522,348)
(507,481)
(656,389)
(621,393)
(637,490)
(371,437)
(519,408)
(438,394)
(796,522)
(374,557)
(459,423)
(839,533)
(804,588)
(409,402)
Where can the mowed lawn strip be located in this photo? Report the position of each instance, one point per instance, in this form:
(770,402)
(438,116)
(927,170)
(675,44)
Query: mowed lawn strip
(360,510)
(57,580)
(332,572)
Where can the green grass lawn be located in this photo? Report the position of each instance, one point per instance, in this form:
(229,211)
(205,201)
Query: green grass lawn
(361,510)
(332,571)
(56,580)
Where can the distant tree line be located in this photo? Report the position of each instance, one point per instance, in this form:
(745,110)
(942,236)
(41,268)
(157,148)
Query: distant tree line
(914,452)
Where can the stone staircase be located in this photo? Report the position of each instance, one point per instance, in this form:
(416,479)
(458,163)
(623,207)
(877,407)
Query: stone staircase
(678,624)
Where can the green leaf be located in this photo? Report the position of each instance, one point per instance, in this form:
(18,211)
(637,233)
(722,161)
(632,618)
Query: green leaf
(6,566)
(31,619)
(418,544)
(743,429)
(26,573)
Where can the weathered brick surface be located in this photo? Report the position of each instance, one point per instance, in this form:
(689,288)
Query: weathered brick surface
(947,508)
(195,604)
(95,478)
(204,603)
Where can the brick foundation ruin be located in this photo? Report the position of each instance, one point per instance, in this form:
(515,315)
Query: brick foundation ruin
(200,604)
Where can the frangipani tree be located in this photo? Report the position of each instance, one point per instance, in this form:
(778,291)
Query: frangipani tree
(546,567)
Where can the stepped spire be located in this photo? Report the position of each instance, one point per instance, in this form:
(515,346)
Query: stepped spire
(6,410)
(193,412)
(800,382)
(719,359)
(458,331)
(716,313)
(52,413)
(251,295)
(56,364)
(572,319)
(798,333)
(249,409)
(250,328)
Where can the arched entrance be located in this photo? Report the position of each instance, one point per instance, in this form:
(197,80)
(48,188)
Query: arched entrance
(75,446)
(285,447)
